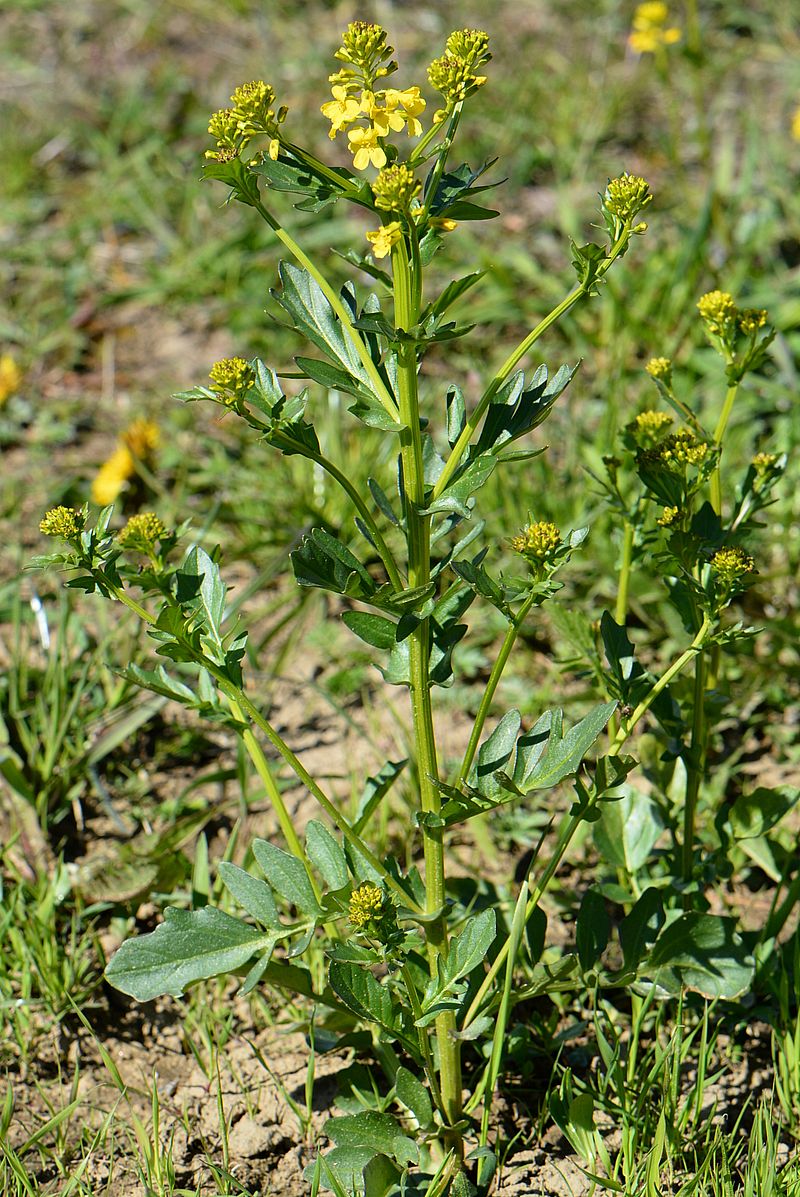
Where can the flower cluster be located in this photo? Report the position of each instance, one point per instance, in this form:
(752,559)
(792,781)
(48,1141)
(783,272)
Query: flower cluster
(675,451)
(67,522)
(251,114)
(369,113)
(626,196)
(231,378)
(741,335)
(454,74)
(138,443)
(669,517)
(370,911)
(537,542)
(732,564)
(660,368)
(649,31)
(649,427)
(141,532)
(395,188)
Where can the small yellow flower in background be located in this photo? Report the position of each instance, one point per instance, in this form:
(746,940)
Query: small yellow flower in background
(751,320)
(63,521)
(669,517)
(649,29)
(141,532)
(674,451)
(796,123)
(732,564)
(384,238)
(138,442)
(274,148)
(660,368)
(649,427)
(10,377)
(445,224)
(113,476)
(142,437)
(454,73)
(365,148)
(370,912)
(762,462)
(538,542)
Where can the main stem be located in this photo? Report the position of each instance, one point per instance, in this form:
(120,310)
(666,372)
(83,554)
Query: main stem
(418,531)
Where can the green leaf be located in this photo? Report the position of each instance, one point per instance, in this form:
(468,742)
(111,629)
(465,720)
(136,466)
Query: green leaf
(467,481)
(628,829)
(516,409)
(753,815)
(704,953)
(288,876)
(312,315)
(323,561)
(456,414)
(365,996)
(494,753)
(372,629)
(326,855)
(414,1096)
(592,929)
(375,790)
(639,930)
(251,893)
(466,952)
(563,755)
(188,946)
(201,589)
(453,291)
(381,1133)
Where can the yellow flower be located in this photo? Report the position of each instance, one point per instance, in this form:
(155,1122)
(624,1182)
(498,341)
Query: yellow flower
(649,427)
(112,477)
(251,107)
(718,311)
(751,320)
(142,531)
(138,442)
(274,149)
(342,110)
(142,437)
(383,119)
(231,377)
(538,542)
(10,377)
(63,521)
(445,224)
(626,195)
(412,103)
(732,564)
(384,238)
(796,123)
(669,517)
(660,368)
(649,28)
(365,149)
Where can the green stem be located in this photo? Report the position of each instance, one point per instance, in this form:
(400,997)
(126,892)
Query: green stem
(438,169)
(460,447)
(362,509)
(570,826)
(418,531)
(623,584)
(695,768)
(719,433)
(382,393)
(494,678)
(424,1042)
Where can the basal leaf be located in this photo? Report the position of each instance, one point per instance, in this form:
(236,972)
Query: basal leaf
(188,946)
(704,953)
